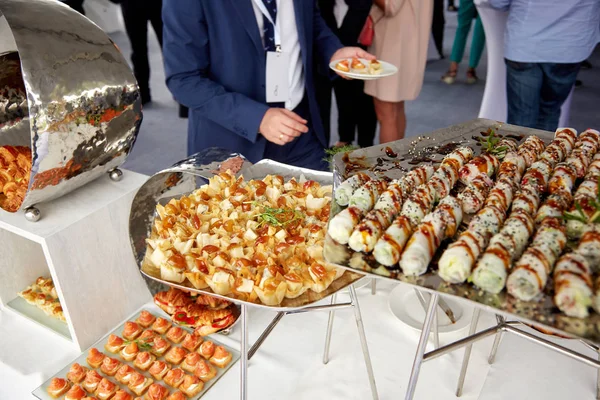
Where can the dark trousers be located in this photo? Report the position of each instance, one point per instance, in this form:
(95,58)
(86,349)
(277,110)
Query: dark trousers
(136,14)
(536,92)
(306,151)
(323,87)
(356,111)
(76,5)
(437,26)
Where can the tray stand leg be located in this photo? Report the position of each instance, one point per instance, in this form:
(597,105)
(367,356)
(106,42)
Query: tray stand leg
(363,341)
(373,286)
(263,336)
(414,375)
(244,354)
(436,333)
(329,331)
(497,339)
(467,356)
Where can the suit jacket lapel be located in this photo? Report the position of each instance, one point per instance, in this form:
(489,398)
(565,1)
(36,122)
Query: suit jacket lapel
(245,11)
(302,24)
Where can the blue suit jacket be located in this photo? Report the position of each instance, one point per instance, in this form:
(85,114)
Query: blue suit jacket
(215,64)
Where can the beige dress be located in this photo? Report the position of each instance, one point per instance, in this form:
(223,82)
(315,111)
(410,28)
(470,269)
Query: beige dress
(402,35)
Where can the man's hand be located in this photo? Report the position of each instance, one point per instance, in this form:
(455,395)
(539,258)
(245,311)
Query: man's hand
(351,52)
(281,126)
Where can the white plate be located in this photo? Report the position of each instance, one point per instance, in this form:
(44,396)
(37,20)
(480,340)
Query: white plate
(387,69)
(405,306)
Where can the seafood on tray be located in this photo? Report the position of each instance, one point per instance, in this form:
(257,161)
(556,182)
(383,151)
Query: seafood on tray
(531,211)
(15,171)
(113,374)
(255,240)
(206,314)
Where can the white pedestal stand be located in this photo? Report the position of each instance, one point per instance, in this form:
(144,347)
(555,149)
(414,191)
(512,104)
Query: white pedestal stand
(82,241)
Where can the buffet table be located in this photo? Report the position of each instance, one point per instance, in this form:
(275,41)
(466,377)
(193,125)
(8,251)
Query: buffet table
(288,365)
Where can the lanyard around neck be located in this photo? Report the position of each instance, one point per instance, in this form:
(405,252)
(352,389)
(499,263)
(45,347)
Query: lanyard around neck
(265,12)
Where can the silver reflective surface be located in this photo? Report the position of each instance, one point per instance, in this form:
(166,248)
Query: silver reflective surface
(82,110)
(377,162)
(181,179)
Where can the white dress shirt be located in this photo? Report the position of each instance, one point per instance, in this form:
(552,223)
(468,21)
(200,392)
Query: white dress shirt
(290,44)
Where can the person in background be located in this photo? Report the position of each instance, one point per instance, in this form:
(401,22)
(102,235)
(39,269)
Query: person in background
(466,13)
(76,5)
(402,32)
(323,82)
(544,45)
(451,6)
(137,14)
(216,55)
(356,108)
(437,26)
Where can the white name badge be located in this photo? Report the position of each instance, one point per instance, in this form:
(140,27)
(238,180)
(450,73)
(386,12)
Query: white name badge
(277,81)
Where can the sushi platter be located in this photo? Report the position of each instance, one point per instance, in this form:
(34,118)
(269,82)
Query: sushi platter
(498,215)
(107,369)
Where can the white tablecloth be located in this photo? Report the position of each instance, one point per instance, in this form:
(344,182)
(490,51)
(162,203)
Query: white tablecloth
(289,366)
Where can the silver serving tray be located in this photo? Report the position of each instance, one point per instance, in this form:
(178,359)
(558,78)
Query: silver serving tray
(184,177)
(376,161)
(42,394)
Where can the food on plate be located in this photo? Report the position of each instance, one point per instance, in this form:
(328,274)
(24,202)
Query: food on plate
(147,336)
(161,325)
(15,171)
(114,343)
(345,190)
(191,362)
(75,393)
(159,346)
(573,286)
(388,248)
(131,330)
(191,385)
(145,319)
(358,67)
(175,355)
(473,197)
(374,67)
(207,349)
(91,381)
(171,301)
(205,371)
(110,366)
(77,373)
(178,395)
(129,352)
(124,373)
(156,392)
(176,334)
(139,383)
(58,387)
(365,197)
(484,164)
(122,395)
(158,370)
(42,294)
(95,358)
(143,360)
(106,389)
(221,357)
(343,66)
(191,342)
(241,237)
(174,377)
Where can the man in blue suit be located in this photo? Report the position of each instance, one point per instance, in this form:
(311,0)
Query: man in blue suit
(220,56)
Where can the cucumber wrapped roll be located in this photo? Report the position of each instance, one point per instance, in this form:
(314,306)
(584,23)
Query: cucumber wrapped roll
(345,190)
(573,285)
(389,247)
(341,226)
(473,197)
(367,195)
(484,164)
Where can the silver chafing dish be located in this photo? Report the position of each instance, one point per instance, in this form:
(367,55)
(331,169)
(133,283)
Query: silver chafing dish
(67,93)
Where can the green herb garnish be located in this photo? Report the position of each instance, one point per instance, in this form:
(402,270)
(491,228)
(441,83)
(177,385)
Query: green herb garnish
(276,216)
(335,150)
(579,215)
(143,344)
(489,144)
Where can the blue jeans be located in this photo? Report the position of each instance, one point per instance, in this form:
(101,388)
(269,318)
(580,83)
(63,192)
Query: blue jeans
(536,92)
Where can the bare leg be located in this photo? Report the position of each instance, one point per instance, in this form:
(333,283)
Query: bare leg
(391,119)
(401,120)
(465,363)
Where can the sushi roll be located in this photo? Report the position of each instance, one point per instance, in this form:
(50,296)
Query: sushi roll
(484,164)
(415,178)
(341,226)
(588,141)
(473,197)
(589,247)
(563,178)
(527,200)
(537,175)
(345,190)
(445,177)
(419,204)
(389,247)
(437,226)
(531,149)
(501,195)
(554,206)
(512,167)
(573,293)
(369,230)
(367,195)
